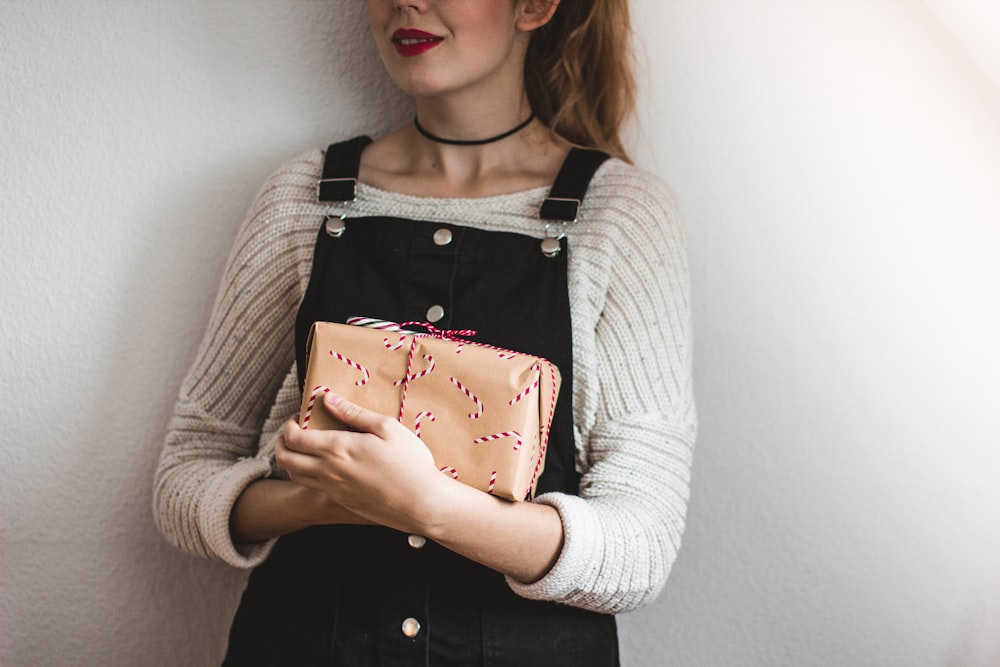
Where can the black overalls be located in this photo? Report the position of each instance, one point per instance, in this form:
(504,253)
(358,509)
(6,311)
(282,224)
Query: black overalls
(365,595)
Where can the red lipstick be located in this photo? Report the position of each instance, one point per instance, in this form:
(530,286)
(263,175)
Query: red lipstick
(410,42)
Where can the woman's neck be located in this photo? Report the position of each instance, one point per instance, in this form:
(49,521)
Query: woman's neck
(471,119)
(409,162)
(472,122)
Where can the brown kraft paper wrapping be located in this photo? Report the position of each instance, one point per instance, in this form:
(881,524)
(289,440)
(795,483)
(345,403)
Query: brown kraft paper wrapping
(483,412)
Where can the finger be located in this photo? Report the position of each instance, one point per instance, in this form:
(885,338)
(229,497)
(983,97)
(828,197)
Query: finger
(356,416)
(305,441)
(293,461)
(289,430)
(321,444)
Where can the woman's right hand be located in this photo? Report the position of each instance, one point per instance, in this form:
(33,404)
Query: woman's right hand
(270,508)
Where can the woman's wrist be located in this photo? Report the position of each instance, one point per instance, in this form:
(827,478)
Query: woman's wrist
(495,532)
(319,509)
(431,515)
(270,508)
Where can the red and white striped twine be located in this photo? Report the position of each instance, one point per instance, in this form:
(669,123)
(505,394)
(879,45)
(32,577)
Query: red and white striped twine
(408,377)
(479,404)
(450,471)
(493,482)
(420,417)
(363,381)
(548,425)
(499,436)
(319,389)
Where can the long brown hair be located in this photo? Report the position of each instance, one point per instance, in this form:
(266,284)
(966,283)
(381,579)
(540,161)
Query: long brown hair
(578,73)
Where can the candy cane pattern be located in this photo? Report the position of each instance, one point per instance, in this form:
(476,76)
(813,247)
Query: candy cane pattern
(320,389)
(410,378)
(479,404)
(420,416)
(537,368)
(363,381)
(493,482)
(502,353)
(450,471)
(498,436)
(392,347)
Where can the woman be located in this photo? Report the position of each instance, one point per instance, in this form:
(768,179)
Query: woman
(382,559)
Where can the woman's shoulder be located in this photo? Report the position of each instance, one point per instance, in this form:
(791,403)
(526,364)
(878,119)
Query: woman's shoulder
(294,179)
(632,191)
(287,197)
(634,209)
(285,214)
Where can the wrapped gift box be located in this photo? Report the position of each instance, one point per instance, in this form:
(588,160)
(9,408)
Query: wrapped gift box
(484,412)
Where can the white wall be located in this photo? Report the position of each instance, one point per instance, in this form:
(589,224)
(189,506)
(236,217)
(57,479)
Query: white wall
(837,162)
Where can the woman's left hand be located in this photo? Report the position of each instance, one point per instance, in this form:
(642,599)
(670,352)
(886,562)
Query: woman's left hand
(381,471)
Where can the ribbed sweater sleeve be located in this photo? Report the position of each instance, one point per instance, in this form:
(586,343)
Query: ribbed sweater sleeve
(216,443)
(623,532)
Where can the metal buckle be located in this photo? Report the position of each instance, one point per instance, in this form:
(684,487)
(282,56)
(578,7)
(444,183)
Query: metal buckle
(557,202)
(322,181)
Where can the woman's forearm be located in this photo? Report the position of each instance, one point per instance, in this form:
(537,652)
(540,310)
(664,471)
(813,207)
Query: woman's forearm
(522,540)
(270,508)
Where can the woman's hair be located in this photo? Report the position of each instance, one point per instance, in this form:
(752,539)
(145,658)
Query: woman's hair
(578,73)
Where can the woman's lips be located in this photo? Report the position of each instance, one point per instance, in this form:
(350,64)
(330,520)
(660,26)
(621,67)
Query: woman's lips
(410,42)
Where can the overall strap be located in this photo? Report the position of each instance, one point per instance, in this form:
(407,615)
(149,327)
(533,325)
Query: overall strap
(570,186)
(339,181)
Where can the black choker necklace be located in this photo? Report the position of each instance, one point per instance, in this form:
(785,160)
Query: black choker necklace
(472,142)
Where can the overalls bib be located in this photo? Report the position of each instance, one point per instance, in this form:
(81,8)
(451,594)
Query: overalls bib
(369,595)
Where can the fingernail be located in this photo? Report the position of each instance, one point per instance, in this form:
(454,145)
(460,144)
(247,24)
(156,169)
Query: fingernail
(332,399)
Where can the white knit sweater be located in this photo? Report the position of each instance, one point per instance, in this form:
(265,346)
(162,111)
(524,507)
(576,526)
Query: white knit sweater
(634,413)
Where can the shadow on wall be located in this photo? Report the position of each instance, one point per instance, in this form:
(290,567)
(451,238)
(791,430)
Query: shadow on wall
(244,86)
(297,64)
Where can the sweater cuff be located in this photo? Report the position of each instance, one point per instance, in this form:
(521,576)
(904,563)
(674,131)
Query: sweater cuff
(581,541)
(216,506)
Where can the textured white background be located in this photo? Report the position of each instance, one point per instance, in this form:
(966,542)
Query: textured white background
(838,164)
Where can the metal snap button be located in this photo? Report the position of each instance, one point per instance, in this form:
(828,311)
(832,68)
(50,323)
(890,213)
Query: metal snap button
(416,541)
(442,236)
(335,227)
(411,627)
(435,313)
(550,247)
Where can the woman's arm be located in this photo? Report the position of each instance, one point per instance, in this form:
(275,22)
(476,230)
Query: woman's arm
(633,400)
(242,384)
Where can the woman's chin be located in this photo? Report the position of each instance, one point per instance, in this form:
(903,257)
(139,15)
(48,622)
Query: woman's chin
(422,86)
